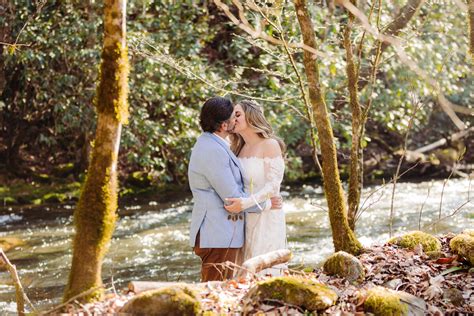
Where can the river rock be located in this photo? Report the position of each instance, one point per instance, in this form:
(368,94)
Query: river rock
(7,243)
(463,245)
(344,265)
(305,293)
(174,301)
(382,301)
(412,239)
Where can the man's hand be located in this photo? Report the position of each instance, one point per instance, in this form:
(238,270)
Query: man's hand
(277,202)
(233,205)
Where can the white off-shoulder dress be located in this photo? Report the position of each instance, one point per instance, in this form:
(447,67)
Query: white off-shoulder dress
(265,231)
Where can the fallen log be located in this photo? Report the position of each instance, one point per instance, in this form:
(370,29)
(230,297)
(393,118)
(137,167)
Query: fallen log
(142,286)
(444,141)
(262,262)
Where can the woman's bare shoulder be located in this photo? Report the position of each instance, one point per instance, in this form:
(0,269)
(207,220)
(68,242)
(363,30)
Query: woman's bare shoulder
(271,148)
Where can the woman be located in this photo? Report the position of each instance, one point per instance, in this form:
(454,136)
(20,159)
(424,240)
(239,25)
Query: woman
(261,155)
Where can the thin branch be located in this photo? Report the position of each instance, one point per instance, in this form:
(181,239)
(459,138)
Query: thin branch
(445,104)
(165,59)
(248,28)
(21,296)
(410,124)
(423,205)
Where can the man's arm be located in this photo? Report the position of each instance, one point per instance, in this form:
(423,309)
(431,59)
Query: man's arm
(217,170)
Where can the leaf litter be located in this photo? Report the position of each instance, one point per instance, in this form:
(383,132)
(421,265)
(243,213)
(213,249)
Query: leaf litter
(411,271)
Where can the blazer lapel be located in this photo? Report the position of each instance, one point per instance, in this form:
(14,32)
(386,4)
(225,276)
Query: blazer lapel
(227,148)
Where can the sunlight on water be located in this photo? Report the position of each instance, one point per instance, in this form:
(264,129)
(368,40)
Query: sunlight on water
(151,241)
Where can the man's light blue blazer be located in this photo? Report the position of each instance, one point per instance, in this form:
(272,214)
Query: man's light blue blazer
(215,174)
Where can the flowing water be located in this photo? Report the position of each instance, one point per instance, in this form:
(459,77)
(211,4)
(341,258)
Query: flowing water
(151,240)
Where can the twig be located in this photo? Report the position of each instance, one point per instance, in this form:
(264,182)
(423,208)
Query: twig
(255,33)
(86,311)
(423,205)
(21,297)
(185,71)
(453,169)
(72,299)
(446,105)
(410,124)
(454,212)
(381,187)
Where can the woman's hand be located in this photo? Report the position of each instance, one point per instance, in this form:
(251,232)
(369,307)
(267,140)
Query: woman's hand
(277,202)
(233,205)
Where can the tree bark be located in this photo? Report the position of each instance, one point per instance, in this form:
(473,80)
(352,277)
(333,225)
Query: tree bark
(343,237)
(354,168)
(95,214)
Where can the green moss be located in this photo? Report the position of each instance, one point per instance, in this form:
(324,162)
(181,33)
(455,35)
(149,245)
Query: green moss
(383,302)
(112,92)
(8,200)
(410,240)
(63,170)
(463,244)
(35,193)
(302,292)
(345,265)
(177,300)
(54,197)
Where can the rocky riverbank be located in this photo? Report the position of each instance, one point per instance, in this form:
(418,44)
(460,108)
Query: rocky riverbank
(395,281)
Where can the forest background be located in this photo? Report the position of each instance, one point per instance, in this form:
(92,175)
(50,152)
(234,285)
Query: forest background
(183,53)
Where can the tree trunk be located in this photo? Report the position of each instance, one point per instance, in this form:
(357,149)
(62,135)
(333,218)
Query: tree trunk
(95,213)
(343,237)
(354,168)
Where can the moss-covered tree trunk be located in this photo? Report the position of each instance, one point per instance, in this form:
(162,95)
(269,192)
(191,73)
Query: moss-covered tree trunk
(471,27)
(95,214)
(355,162)
(343,237)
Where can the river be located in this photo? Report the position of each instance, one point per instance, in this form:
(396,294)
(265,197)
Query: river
(151,239)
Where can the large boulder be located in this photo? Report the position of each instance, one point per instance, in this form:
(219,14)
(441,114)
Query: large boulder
(412,239)
(463,245)
(344,265)
(306,293)
(174,301)
(382,301)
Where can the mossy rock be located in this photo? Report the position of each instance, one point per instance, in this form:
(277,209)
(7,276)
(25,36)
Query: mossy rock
(63,170)
(410,240)
(42,177)
(463,245)
(383,302)
(54,197)
(173,301)
(344,265)
(7,243)
(139,179)
(8,200)
(303,292)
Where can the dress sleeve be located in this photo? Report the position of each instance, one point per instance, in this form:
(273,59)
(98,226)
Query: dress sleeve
(274,169)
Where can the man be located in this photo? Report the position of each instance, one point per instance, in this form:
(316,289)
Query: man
(215,174)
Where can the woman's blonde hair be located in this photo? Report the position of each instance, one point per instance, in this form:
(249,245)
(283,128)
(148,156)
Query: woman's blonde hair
(257,121)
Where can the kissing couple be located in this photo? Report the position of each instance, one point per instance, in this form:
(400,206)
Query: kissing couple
(237,212)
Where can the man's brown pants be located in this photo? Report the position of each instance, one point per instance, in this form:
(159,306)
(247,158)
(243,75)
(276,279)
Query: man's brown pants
(212,259)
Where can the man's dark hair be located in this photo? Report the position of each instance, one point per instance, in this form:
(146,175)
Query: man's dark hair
(214,112)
